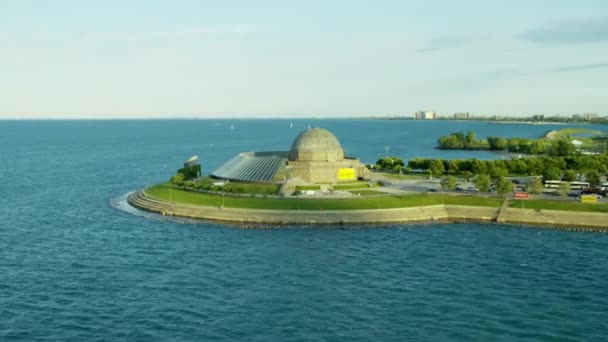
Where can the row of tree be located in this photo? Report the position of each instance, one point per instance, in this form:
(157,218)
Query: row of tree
(483,183)
(501,185)
(394,164)
(551,168)
(460,141)
(556,147)
(568,168)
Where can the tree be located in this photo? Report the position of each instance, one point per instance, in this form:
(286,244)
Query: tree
(535,186)
(448,183)
(537,147)
(562,147)
(513,144)
(453,166)
(504,186)
(478,167)
(470,140)
(518,166)
(467,175)
(483,183)
(569,176)
(388,163)
(397,168)
(437,168)
(551,173)
(497,143)
(178,179)
(564,189)
(451,141)
(497,173)
(593,177)
(524,146)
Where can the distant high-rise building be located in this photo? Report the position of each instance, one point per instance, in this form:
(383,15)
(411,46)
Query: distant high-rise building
(590,116)
(425,115)
(461,116)
(538,117)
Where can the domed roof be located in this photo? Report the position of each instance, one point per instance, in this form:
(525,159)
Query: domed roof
(316,144)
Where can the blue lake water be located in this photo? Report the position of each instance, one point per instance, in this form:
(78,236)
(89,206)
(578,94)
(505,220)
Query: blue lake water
(73,267)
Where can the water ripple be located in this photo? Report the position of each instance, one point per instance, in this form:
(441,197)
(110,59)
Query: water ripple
(73,268)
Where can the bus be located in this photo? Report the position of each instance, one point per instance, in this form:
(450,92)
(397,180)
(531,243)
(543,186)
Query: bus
(554,184)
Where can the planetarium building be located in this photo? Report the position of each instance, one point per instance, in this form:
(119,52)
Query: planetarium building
(316,156)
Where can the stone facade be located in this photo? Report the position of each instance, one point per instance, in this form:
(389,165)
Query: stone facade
(316,156)
(326,172)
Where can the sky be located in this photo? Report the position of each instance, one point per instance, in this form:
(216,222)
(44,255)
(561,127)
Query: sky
(196,58)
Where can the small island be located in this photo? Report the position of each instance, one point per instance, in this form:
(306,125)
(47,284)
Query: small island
(316,183)
(563,142)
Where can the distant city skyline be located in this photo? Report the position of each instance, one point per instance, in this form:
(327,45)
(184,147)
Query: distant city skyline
(200,59)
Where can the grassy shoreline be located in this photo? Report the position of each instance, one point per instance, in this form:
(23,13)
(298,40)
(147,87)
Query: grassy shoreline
(163,192)
(545,204)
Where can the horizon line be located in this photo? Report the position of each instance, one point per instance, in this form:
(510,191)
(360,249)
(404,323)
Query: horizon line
(262,117)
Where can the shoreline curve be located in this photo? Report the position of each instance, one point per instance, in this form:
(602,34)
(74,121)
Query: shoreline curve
(442,213)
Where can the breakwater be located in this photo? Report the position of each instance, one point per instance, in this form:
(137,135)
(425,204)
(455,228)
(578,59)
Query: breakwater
(433,213)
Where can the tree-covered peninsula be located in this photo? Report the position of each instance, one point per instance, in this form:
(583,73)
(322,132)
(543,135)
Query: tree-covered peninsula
(564,142)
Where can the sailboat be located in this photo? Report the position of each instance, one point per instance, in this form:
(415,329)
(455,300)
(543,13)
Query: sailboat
(291,125)
(232,127)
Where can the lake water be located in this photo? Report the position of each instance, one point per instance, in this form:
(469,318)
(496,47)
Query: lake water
(74,267)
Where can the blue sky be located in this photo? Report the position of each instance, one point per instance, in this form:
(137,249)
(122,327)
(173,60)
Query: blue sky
(128,59)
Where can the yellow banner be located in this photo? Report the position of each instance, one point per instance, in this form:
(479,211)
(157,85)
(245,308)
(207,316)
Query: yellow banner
(345,174)
(588,199)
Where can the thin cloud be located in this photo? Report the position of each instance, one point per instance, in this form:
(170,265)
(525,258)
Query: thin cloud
(449,42)
(235,30)
(511,73)
(583,67)
(590,30)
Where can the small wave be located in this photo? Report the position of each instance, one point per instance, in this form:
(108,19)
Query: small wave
(120,203)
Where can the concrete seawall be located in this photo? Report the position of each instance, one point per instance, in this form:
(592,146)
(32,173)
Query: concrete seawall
(435,213)
(558,218)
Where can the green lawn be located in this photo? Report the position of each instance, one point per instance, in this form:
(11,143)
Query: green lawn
(588,141)
(559,205)
(366,192)
(351,186)
(308,187)
(478,201)
(161,191)
(400,176)
(574,131)
(252,188)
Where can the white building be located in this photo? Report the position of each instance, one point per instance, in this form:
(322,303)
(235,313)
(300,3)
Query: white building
(576,143)
(425,115)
